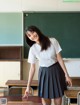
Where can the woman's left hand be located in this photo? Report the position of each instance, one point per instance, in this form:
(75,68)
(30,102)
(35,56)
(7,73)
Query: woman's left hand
(68,80)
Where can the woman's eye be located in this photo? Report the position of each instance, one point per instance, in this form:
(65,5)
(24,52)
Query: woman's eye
(29,35)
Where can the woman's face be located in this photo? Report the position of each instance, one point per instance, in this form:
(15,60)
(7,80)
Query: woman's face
(33,36)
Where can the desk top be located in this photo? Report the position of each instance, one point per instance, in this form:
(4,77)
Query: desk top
(21,83)
(75,82)
(73,88)
(22,103)
(18,100)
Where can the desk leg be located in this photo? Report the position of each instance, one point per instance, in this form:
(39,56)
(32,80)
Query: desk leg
(66,100)
(78,98)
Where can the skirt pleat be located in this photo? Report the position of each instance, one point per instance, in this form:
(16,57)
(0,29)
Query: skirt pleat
(52,81)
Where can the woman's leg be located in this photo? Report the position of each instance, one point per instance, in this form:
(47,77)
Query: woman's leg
(57,101)
(46,101)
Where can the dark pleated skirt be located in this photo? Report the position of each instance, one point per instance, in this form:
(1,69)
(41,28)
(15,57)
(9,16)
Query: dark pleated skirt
(52,81)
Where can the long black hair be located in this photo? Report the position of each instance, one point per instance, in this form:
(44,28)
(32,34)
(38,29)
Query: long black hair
(44,40)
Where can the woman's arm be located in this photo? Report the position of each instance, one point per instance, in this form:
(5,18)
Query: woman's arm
(31,74)
(61,62)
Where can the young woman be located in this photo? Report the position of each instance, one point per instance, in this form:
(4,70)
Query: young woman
(53,75)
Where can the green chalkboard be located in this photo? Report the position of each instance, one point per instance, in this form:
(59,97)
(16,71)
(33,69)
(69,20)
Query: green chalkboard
(64,26)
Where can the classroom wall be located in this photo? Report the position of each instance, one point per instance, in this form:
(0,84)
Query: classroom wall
(9,70)
(38,5)
(72,65)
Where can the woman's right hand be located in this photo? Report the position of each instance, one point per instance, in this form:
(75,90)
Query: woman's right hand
(68,80)
(27,91)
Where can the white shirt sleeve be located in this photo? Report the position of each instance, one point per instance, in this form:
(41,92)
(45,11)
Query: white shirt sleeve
(31,56)
(56,45)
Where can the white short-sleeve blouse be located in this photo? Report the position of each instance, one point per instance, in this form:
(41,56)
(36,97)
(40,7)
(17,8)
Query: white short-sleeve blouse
(46,57)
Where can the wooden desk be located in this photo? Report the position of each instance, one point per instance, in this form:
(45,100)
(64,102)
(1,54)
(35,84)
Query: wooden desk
(22,103)
(75,81)
(72,92)
(22,83)
(18,100)
(71,95)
